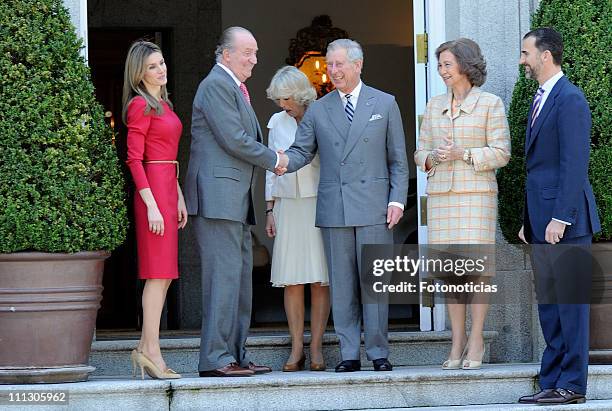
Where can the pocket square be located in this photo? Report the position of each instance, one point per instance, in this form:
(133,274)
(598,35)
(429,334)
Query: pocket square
(375,117)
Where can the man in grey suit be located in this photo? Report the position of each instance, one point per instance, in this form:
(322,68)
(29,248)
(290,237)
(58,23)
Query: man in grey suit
(358,133)
(226,147)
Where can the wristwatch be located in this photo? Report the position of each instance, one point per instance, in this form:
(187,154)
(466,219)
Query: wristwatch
(467,156)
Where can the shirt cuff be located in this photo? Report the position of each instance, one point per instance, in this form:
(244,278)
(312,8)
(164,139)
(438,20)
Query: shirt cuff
(394,203)
(277,159)
(561,221)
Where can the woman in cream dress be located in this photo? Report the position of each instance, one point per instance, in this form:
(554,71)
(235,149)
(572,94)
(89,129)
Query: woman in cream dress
(298,257)
(464,138)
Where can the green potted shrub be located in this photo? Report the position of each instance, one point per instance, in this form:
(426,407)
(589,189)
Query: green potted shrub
(62,206)
(587,62)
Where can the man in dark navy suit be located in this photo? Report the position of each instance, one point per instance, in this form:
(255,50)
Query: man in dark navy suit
(559,209)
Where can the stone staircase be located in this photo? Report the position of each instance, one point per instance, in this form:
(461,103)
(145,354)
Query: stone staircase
(417,382)
(420,387)
(182,354)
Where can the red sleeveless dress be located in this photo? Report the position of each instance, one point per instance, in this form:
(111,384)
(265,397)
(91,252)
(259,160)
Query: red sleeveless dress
(152,137)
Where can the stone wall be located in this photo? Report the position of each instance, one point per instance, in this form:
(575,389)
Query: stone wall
(497,26)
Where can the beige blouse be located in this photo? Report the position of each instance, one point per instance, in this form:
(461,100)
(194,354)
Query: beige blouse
(480,125)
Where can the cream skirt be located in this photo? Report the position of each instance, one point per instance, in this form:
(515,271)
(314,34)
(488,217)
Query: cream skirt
(298,256)
(461,218)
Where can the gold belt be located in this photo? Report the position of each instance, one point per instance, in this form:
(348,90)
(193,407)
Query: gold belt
(165,162)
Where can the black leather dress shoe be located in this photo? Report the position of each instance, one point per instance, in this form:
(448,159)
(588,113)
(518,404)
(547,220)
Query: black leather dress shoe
(560,396)
(533,398)
(382,364)
(348,366)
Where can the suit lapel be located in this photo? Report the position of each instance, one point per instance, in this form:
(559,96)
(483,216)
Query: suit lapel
(255,129)
(546,109)
(259,133)
(253,116)
(528,130)
(337,116)
(363,112)
(249,109)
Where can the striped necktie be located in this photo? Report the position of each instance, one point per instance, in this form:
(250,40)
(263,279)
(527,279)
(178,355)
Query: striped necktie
(349,109)
(536,105)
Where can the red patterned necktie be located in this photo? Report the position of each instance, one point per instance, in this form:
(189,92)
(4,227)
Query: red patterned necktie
(244,90)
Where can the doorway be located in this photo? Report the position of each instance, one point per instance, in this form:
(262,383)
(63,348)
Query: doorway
(387,35)
(120,307)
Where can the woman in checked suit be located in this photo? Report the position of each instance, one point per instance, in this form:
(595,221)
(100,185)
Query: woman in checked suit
(464,138)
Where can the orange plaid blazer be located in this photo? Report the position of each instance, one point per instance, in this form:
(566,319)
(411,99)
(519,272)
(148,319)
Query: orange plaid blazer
(480,125)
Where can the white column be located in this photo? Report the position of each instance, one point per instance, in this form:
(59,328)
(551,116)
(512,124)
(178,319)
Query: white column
(78,15)
(436,34)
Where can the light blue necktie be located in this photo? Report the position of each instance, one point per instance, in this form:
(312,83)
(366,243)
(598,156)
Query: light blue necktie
(349,109)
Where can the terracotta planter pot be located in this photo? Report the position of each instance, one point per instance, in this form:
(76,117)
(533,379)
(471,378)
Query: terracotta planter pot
(48,308)
(600,347)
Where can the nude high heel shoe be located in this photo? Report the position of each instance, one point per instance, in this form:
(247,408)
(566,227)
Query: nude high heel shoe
(145,364)
(454,364)
(473,364)
(134,356)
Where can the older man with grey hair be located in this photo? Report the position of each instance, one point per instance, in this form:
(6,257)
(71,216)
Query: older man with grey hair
(226,148)
(357,131)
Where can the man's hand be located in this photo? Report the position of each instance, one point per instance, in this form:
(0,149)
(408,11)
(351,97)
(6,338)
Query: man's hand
(283,162)
(394,214)
(554,232)
(521,234)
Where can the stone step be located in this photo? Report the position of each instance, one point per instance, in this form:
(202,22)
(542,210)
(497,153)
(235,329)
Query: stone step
(604,405)
(405,387)
(182,354)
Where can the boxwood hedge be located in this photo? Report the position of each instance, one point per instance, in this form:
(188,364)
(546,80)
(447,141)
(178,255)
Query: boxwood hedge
(61,188)
(587,62)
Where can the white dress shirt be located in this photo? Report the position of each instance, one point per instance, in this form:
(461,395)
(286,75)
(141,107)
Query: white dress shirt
(354,98)
(231,73)
(547,87)
(354,95)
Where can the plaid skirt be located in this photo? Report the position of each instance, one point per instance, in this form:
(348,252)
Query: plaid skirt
(461,218)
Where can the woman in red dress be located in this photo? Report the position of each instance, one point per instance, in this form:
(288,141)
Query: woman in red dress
(153,137)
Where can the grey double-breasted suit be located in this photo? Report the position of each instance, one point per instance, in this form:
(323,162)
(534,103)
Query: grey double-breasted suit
(363,169)
(225,151)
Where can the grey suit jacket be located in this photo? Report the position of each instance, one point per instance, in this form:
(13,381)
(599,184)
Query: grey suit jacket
(363,163)
(225,148)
